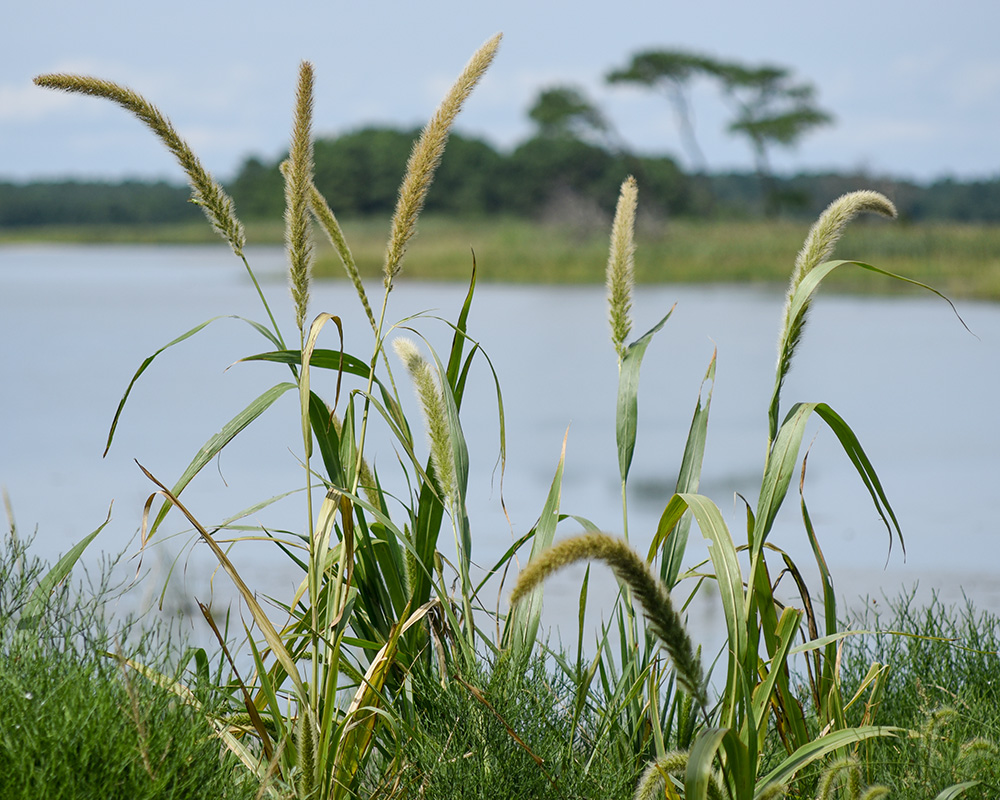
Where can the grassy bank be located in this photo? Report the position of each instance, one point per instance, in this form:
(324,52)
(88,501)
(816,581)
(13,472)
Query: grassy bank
(960,260)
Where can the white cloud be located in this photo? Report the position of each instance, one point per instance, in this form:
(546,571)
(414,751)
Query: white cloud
(29,103)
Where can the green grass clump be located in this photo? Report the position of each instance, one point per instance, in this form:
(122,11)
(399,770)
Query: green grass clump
(942,685)
(500,730)
(73,725)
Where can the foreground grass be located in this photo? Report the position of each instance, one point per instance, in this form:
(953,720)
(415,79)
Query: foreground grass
(74,725)
(960,260)
(942,685)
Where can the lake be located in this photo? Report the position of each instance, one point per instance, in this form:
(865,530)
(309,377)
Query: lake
(918,389)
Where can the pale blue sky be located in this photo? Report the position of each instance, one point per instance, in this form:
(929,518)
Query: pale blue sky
(914,86)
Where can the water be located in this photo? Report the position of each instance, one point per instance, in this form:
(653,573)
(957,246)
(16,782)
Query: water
(919,391)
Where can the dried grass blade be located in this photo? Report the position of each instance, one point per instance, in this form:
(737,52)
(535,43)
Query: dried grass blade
(274,641)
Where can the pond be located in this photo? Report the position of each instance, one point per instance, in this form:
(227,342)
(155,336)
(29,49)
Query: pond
(918,389)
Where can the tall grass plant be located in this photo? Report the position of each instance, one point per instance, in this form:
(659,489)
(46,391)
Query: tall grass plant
(338,689)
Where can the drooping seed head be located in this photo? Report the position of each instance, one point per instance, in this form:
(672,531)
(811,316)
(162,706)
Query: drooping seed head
(205,191)
(818,247)
(664,621)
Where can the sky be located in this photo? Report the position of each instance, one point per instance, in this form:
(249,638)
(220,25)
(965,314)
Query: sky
(914,86)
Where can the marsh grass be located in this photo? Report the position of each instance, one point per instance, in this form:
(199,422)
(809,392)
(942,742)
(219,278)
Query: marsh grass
(943,685)
(73,725)
(344,691)
(962,260)
(502,731)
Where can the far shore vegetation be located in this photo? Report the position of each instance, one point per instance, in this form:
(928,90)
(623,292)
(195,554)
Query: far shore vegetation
(961,259)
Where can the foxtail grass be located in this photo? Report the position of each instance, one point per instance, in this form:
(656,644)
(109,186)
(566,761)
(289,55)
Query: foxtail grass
(621,265)
(206,191)
(435,416)
(817,248)
(664,621)
(298,175)
(426,156)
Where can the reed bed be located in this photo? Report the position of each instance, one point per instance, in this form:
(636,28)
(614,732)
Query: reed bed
(959,259)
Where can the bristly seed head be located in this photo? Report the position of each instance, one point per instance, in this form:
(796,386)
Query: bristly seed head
(664,621)
(205,191)
(433,407)
(298,176)
(426,156)
(818,246)
(621,265)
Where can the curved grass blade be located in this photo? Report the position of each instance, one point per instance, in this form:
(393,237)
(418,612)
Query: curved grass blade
(274,641)
(781,466)
(955,791)
(320,358)
(688,480)
(816,749)
(214,445)
(306,363)
(698,774)
(32,612)
(187,335)
(521,627)
(799,303)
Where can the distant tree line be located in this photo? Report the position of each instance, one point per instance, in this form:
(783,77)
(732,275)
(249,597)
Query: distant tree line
(568,171)
(546,178)
(93,203)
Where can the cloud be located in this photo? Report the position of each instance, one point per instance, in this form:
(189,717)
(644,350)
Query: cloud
(29,103)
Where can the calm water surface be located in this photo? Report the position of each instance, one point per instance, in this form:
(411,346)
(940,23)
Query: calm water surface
(920,392)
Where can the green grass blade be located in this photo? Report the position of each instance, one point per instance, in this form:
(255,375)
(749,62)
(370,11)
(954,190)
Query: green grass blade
(627,414)
(688,480)
(955,791)
(150,359)
(863,466)
(800,302)
(216,443)
(817,749)
(321,359)
(31,614)
(271,636)
(729,578)
(521,627)
(699,767)
(787,627)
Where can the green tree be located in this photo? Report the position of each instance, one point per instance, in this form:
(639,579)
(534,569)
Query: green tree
(772,108)
(670,72)
(565,112)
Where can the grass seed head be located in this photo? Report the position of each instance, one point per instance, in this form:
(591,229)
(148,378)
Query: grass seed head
(621,265)
(818,246)
(426,156)
(205,191)
(432,405)
(664,621)
(298,174)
